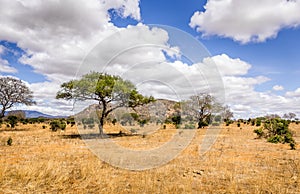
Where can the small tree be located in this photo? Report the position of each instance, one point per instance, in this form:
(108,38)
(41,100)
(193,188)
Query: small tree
(110,92)
(13,91)
(226,113)
(201,107)
(289,116)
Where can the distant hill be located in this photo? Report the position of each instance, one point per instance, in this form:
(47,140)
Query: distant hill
(36,114)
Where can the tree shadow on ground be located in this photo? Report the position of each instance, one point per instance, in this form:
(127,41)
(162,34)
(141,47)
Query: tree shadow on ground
(13,130)
(97,136)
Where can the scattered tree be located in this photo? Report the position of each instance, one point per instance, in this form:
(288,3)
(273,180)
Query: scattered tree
(111,92)
(201,107)
(13,91)
(289,116)
(227,114)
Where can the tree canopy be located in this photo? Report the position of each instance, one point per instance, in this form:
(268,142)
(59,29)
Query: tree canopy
(13,91)
(110,91)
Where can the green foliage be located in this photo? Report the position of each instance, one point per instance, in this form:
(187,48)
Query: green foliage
(58,124)
(238,124)
(176,119)
(12,120)
(276,131)
(111,92)
(258,122)
(275,139)
(189,126)
(259,132)
(228,122)
(142,122)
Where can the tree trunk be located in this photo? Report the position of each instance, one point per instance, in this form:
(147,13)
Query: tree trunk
(101,124)
(2,113)
(103,115)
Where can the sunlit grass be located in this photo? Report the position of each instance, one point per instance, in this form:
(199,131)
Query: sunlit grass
(43,161)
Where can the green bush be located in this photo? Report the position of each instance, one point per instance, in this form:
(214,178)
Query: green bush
(228,122)
(189,126)
(259,132)
(258,122)
(58,124)
(276,131)
(12,120)
(275,139)
(238,124)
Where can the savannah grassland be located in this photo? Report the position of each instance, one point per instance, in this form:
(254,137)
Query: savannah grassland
(41,161)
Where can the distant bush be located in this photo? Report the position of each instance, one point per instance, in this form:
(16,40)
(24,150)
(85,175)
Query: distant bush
(228,122)
(276,131)
(259,132)
(9,141)
(258,122)
(189,126)
(238,124)
(12,120)
(58,124)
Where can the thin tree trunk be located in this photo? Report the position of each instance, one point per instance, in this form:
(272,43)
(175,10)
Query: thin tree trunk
(2,113)
(103,114)
(101,124)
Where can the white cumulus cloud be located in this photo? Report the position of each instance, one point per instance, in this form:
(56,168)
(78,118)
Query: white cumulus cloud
(246,21)
(278,88)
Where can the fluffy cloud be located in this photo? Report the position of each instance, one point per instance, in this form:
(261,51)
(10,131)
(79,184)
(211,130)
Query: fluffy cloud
(4,65)
(278,88)
(5,68)
(228,66)
(295,94)
(56,35)
(246,21)
(56,40)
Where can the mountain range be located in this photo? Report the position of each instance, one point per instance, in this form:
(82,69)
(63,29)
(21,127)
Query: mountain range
(36,114)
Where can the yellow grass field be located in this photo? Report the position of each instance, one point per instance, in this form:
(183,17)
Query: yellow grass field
(41,161)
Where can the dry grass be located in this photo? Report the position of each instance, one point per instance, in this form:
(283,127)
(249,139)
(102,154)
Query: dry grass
(42,161)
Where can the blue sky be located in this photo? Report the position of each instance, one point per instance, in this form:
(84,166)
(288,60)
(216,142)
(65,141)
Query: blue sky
(44,43)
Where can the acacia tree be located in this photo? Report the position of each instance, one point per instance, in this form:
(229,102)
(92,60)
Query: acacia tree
(201,107)
(13,91)
(110,92)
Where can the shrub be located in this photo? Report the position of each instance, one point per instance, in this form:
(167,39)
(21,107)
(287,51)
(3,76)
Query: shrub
(276,131)
(12,120)
(58,124)
(258,122)
(228,122)
(238,124)
(9,141)
(189,126)
(259,132)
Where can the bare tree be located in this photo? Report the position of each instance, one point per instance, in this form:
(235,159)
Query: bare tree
(226,113)
(289,115)
(13,91)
